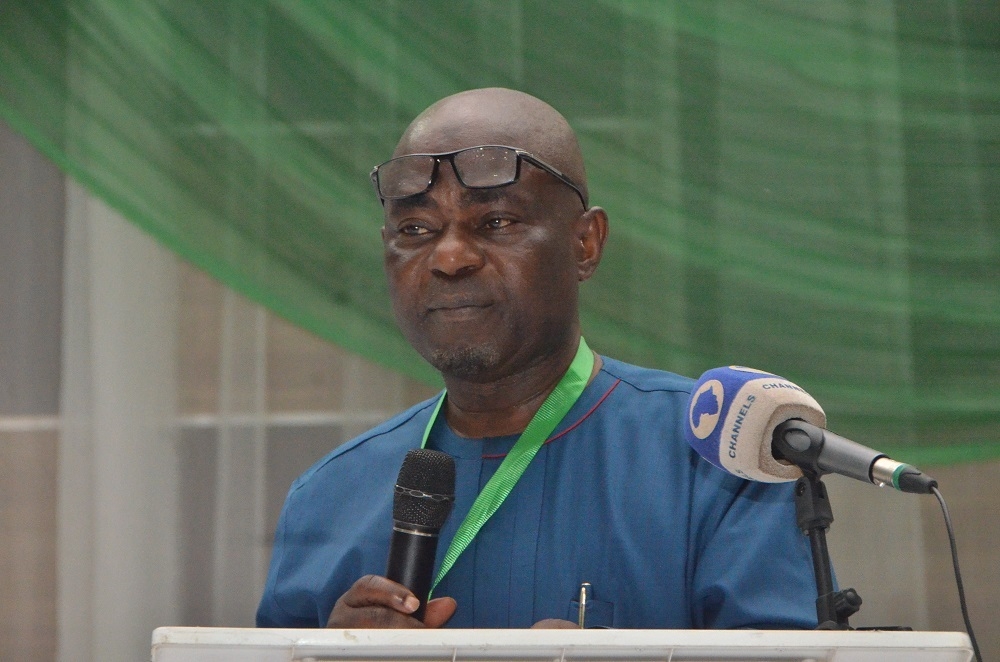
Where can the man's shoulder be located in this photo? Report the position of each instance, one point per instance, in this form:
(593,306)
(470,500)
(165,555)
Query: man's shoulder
(384,445)
(647,379)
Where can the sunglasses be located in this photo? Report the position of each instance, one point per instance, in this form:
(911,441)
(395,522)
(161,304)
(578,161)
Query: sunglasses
(485,166)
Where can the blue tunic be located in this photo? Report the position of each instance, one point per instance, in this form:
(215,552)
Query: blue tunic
(615,498)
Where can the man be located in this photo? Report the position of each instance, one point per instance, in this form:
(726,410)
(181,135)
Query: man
(485,248)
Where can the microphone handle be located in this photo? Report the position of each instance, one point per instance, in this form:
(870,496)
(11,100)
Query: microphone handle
(821,451)
(411,563)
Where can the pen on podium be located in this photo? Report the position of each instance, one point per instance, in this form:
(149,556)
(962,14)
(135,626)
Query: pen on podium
(582,614)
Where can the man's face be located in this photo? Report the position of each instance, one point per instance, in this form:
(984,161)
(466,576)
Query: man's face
(484,281)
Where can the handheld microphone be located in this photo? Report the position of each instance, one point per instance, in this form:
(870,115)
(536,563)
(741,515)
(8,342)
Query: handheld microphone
(762,427)
(424,494)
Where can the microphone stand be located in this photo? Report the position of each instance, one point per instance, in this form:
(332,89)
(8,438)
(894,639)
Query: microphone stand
(814,516)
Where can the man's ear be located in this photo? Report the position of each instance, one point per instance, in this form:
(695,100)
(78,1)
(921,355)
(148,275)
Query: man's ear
(591,233)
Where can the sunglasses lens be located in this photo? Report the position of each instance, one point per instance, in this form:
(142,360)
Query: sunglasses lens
(405,176)
(486,167)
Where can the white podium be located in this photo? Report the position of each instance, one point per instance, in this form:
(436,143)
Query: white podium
(185,644)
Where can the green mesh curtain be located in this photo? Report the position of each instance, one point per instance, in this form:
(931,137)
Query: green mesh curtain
(805,187)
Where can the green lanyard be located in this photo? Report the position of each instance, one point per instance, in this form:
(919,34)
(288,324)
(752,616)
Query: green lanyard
(545,420)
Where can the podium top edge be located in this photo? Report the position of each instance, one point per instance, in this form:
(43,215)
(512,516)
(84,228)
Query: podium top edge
(302,639)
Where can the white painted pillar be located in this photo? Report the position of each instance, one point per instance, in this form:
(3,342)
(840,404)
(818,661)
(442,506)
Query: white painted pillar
(118,507)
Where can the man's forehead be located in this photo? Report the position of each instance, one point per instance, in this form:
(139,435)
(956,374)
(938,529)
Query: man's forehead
(496,116)
(520,193)
(452,129)
(440,142)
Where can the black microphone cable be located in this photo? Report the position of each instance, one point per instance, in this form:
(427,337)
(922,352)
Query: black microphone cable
(958,573)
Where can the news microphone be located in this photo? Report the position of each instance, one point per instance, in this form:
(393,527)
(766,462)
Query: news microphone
(424,494)
(762,427)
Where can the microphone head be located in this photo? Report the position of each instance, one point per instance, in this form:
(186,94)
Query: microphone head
(732,415)
(425,489)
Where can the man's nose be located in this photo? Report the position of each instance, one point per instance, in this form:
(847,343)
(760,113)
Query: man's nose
(455,250)
(455,253)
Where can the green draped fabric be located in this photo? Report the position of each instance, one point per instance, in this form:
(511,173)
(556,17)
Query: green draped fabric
(805,187)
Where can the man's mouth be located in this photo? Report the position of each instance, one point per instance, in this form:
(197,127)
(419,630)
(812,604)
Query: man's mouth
(458,307)
(457,303)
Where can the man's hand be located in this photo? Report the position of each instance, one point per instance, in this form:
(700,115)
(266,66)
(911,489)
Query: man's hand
(377,602)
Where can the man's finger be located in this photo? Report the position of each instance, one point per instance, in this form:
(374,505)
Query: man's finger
(372,591)
(439,611)
(375,602)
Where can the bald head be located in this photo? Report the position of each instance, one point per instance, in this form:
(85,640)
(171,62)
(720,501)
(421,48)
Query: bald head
(496,116)
(485,276)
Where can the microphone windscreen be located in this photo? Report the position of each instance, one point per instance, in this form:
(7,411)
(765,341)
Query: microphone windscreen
(425,489)
(732,415)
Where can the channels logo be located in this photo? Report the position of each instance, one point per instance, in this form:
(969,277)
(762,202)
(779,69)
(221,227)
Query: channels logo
(706,405)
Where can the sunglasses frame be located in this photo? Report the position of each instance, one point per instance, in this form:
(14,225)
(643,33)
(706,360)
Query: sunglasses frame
(520,154)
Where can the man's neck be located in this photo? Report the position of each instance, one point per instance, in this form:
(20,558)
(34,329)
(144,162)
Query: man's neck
(505,406)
